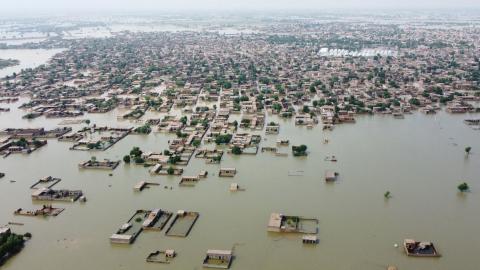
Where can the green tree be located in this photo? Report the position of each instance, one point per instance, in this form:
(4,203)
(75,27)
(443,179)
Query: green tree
(126,159)
(196,143)
(223,139)
(139,160)
(463,187)
(414,101)
(467,150)
(236,150)
(136,152)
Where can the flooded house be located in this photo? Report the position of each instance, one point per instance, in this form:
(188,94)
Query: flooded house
(46,210)
(161,256)
(182,223)
(310,239)
(156,219)
(227,172)
(330,176)
(46,182)
(189,180)
(272,128)
(420,249)
(292,224)
(221,259)
(46,194)
(95,164)
(129,231)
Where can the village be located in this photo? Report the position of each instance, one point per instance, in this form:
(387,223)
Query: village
(213,97)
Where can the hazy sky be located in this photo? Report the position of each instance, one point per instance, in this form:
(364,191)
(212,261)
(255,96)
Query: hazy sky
(159,5)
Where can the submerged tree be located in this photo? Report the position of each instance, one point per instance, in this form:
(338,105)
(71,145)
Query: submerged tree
(136,152)
(463,187)
(236,150)
(387,195)
(467,150)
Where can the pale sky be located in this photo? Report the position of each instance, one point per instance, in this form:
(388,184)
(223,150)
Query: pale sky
(19,6)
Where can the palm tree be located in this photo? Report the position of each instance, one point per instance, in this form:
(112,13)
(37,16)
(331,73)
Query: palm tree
(467,150)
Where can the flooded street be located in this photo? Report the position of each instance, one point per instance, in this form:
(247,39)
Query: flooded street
(419,159)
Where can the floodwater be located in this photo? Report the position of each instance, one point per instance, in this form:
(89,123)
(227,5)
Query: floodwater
(29,58)
(419,159)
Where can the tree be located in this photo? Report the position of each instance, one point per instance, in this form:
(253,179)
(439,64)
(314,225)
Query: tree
(96,145)
(414,101)
(299,150)
(223,139)
(387,195)
(87,121)
(463,187)
(184,120)
(136,152)
(22,142)
(10,244)
(139,160)
(93,159)
(277,107)
(126,159)
(145,129)
(170,170)
(173,159)
(236,150)
(196,143)
(467,150)
(302,148)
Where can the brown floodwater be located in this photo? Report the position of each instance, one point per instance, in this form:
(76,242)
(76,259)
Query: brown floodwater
(419,159)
